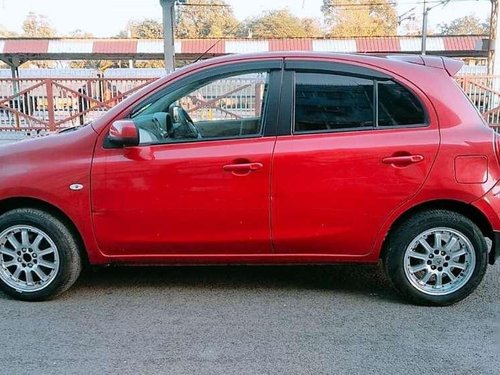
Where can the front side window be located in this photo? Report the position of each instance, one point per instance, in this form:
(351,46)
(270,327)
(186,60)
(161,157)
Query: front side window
(332,102)
(227,107)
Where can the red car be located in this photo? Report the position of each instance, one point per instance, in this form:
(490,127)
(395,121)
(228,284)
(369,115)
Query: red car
(272,158)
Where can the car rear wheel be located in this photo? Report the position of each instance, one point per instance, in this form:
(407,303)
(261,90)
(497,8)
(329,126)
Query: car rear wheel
(39,257)
(436,257)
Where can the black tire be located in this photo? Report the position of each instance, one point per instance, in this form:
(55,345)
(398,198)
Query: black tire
(402,236)
(67,249)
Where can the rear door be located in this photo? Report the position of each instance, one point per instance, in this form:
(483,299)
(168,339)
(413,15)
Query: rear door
(354,145)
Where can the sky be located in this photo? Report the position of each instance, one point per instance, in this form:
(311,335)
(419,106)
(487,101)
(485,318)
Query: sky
(105,18)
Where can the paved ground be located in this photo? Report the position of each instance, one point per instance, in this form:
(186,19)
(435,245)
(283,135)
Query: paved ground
(241,320)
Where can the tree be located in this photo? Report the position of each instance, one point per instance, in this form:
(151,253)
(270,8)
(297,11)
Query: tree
(143,29)
(312,26)
(466,25)
(282,24)
(215,19)
(36,25)
(360,17)
(79,33)
(4,33)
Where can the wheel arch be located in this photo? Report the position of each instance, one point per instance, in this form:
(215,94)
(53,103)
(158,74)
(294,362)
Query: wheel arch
(467,210)
(28,202)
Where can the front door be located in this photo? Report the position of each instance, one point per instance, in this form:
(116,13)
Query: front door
(199,181)
(358,147)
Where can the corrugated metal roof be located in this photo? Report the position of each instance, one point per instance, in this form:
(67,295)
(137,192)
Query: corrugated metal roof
(177,46)
(304,44)
(334,45)
(149,46)
(410,44)
(40,47)
(385,44)
(26,46)
(70,46)
(115,46)
(202,45)
(246,46)
(465,43)
(434,44)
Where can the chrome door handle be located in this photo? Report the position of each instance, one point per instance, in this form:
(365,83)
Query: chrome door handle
(242,167)
(403,160)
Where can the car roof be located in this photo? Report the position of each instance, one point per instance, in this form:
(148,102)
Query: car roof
(393,63)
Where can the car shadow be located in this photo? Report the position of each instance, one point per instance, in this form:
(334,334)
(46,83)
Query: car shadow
(352,279)
(360,280)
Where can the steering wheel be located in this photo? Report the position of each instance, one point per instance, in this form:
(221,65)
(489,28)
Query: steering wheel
(186,120)
(160,123)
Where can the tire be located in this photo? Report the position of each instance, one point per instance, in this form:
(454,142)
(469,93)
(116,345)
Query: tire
(39,256)
(436,257)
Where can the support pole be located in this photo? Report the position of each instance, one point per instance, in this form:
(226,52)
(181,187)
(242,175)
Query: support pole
(493,42)
(14,64)
(168,34)
(424,28)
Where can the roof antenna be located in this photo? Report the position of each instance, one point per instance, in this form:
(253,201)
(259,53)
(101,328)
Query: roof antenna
(213,45)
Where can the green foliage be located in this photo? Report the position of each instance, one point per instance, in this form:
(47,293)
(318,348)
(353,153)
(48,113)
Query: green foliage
(282,24)
(360,17)
(4,33)
(467,25)
(37,26)
(143,29)
(213,21)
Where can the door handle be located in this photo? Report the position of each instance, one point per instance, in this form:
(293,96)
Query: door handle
(403,160)
(242,167)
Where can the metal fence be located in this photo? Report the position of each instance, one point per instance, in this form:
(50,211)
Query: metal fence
(484,92)
(48,104)
(227,98)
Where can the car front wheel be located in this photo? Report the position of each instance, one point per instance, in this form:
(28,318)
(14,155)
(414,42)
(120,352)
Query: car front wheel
(39,257)
(436,257)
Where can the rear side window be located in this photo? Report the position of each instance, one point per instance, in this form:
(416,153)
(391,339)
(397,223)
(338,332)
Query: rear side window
(398,106)
(332,102)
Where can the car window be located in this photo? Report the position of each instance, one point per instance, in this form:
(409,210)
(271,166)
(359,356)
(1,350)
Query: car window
(398,106)
(224,107)
(332,102)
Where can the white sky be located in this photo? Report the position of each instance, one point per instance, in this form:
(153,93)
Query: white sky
(106,18)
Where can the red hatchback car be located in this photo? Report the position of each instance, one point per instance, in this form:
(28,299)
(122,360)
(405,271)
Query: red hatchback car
(270,158)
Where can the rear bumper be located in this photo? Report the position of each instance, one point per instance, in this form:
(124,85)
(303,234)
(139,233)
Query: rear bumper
(495,248)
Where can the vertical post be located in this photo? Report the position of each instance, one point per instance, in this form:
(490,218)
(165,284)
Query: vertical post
(494,42)
(424,27)
(130,62)
(258,101)
(168,34)
(14,69)
(493,60)
(50,104)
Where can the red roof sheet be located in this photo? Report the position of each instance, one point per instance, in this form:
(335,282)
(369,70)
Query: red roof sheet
(290,44)
(202,45)
(463,43)
(26,46)
(115,46)
(381,44)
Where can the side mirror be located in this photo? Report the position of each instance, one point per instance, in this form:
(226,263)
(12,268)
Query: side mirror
(124,133)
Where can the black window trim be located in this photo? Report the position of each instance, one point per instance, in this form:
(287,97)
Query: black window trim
(287,122)
(270,114)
